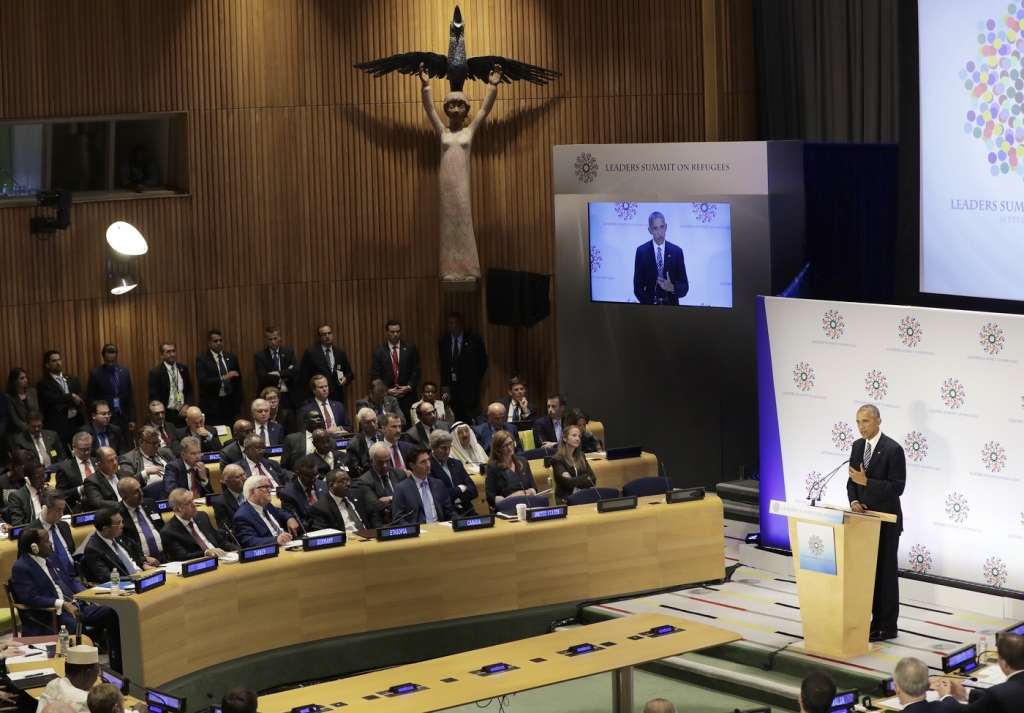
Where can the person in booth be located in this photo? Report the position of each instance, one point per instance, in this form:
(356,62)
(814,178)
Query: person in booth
(255,462)
(420,498)
(271,433)
(61,539)
(257,522)
(189,471)
(342,509)
(466,447)
(143,523)
(496,423)
(379,482)
(450,471)
(547,431)
(507,475)
(108,549)
(303,491)
(333,412)
(369,433)
(232,450)
(225,505)
(190,534)
(195,426)
(878,475)
(570,468)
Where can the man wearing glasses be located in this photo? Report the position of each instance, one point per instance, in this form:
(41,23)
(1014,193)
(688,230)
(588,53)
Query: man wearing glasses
(255,462)
(146,463)
(257,522)
(108,549)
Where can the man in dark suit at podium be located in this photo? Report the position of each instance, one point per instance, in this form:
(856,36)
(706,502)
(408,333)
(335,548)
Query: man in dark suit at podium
(878,474)
(659,270)
(1007,696)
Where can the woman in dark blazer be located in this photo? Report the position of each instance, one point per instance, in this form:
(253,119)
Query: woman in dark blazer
(278,414)
(570,467)
(507,475)
(20,401)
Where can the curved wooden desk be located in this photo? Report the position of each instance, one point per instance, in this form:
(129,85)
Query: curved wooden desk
(191,624)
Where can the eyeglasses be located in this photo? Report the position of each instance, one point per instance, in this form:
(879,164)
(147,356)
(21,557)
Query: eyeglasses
(153,443)
(268,488)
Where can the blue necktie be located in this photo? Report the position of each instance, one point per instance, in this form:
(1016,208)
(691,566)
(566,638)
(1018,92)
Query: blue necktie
(386,482)
(61,549)
(277,363)
(444,467)
(223,372)
(58,580)
(116,381)
(147,532)
(129,566)
(428,502)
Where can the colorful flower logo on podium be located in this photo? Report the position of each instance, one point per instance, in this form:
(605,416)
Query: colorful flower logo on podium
(842,436)
(993,83)
(953,393)
(803,376)
(586,168)
(876,385)
(595,259)
(916,446)
(816,545)
(995,572)
(992,338)
(957,508)
(920,559)
(993,456)
(813,483)
(832,324)
(704,212)
(625,210)
(910,331)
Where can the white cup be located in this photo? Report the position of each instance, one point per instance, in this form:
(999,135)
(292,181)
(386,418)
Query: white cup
(521,511)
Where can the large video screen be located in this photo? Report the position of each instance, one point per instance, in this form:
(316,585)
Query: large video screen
(972,148)
(661,253)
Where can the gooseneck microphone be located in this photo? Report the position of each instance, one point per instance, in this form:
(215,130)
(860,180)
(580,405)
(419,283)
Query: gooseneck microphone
(823,483)
(401,517)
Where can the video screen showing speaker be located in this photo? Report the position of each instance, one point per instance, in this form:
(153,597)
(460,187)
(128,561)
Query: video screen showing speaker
(516,298)
(661,253)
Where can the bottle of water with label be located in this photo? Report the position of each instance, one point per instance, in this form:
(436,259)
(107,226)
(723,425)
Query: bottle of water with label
(63,638)
(115,582)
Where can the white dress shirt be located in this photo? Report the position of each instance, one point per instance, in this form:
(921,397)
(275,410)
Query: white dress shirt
(350,525)
(140,512)
(117,549)
(185,523)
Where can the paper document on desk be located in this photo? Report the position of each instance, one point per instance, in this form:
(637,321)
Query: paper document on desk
(992,675)
(31,673)
(895,704)
(324,532)
(229,558)
(32,657)
(545,492)
(173,567)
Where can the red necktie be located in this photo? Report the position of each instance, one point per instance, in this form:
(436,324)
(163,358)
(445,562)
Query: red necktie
(309,494)
(326,408)
(88,470)
(396,457)
(195,484)
(195,535)
(259,467)
(394,362)
(163,435)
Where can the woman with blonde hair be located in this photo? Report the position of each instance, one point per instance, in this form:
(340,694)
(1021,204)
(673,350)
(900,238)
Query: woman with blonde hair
(570,467)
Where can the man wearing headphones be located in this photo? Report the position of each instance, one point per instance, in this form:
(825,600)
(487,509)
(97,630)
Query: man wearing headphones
(40,583)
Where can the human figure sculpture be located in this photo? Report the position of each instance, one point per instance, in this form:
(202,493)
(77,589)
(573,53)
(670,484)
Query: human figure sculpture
(460,261)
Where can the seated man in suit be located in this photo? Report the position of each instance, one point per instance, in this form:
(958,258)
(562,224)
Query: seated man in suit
(189,471)
(271,433)
(369,433)
(427,424)
(547,431)
(190,534)
(226,503)
(496,422)
(1006,696)
(462,490)
(342,509)
(142,521)
(102,431)
(170,437)
(380,403)
(43,444)
(379,482)
(108,550)
(59,531)
(255,462)
(257,522)
(25,504)
(231,452)
(335,416)
(420,498)
(146,462)
(910,679)
(297,445)
(195,426)
(101,486)
(72,473)
(304,491)
(327,457)
(39,582)
(517,406)
(391,427)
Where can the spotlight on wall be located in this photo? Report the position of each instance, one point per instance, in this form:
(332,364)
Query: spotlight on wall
(120,284)
(124,238)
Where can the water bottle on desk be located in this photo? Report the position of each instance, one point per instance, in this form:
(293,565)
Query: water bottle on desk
(63,638)
(115,583)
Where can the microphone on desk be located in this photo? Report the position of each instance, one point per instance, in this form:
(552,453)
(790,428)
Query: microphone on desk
(470,508)
(229,533)
(823,483)
(401,517)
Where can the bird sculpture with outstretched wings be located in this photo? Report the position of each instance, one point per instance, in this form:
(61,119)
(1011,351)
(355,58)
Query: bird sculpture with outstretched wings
(456,67)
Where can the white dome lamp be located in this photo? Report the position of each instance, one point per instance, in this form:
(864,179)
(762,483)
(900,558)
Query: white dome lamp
(125,239)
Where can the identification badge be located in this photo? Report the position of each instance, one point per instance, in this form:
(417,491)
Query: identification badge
(155,516)
(53,452)
(117,402)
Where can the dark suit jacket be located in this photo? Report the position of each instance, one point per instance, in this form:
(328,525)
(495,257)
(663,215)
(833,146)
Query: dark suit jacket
(325,513)
(174,434)
(265,364)
(230,453)
(408,366)
(131,532)
(418,434)
(403,448)
(19,503)
(293,499)
(179,545)
(99,559)
(65,534)
(341,460)
(934,706)
(252,531)
(407,499)
(484,436)
(499,482)
(390,405)
(52,396)
(339,416)
(134,463)
(461,501)
(544,431)
(315,363)
(18,410)
(32,587)
(470,366)
(225,505)
(208,376)
(176,476)
(887,476)
(507,403)
(211,444)
(69,478)
(50,441)
(115,437)
(273,470)
(159,385)
(101,386)
(98,493)
(294,448)
(373,490)
(359,450)
(1003,697)
(645,274)
(275,433)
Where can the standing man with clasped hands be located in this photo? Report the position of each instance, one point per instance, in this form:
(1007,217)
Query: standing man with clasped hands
(878,475)
(220,381)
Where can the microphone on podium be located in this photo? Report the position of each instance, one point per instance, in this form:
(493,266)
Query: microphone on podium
(823,483)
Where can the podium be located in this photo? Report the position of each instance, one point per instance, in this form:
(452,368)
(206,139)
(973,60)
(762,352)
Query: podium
(835,551)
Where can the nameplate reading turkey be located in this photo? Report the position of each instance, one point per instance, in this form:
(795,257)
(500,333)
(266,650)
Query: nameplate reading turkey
(255,554)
